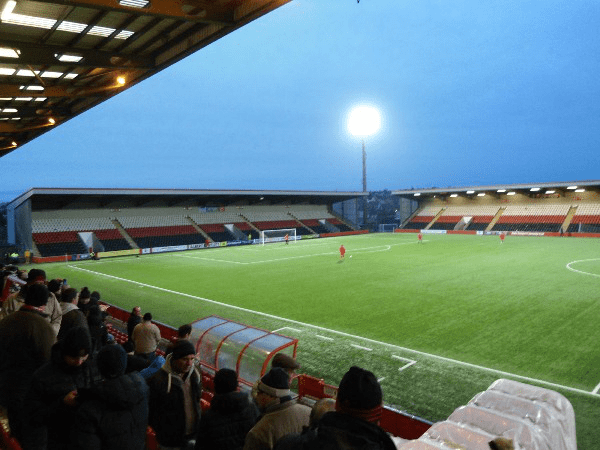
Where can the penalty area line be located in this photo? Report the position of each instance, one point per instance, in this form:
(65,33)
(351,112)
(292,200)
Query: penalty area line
(341,333)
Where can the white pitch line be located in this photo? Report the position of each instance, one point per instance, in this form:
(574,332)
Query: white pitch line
(409,362)
(581,271)
(341,333)
(360,347)
(377,248)
(324,337)
(403,359)
(406,366)
(596,389)
(287,328)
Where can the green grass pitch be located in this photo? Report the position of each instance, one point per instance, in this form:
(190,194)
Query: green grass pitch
(437,322)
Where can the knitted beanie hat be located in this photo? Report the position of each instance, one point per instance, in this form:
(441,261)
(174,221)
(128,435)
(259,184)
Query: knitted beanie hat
(76,342)
(226,381)
(112,361)
(275,383)
(182,348)
(359,394)
(37,295)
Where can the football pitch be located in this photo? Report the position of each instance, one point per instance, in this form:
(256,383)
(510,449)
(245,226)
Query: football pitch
(437,322)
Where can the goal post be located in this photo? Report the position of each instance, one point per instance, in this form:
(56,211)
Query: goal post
(267,236)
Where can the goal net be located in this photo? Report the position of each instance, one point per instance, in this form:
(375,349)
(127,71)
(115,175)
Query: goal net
(267,236)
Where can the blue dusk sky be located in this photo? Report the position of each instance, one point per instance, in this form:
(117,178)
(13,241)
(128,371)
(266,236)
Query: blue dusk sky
(470,93)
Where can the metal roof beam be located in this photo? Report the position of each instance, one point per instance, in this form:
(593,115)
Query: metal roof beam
(40,54)
(14,90)
(188,10)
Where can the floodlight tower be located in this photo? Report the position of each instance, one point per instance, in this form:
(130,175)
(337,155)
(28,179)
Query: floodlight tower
(364,121)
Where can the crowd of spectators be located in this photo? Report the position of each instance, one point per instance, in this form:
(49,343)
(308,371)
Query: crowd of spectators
(66,384)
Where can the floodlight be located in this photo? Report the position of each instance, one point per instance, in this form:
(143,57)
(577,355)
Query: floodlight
(364,121)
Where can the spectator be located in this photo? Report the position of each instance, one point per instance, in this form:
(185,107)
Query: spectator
(231,415)
(84,300)
(355,422)
(134,318)
(289,364)
(183,334)
(284,362)
(113,414)
(149,369)
(72,315)
(55,286)
(26,339)
(52,399)
(95,297)
(175,392)
(321,406)
(52,311)
(98,331)
(281,414)
(134,362)
(501,444)
(318,410)
(146,337)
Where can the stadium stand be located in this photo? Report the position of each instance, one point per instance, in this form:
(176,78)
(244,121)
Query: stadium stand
(58,243)
(465,217)
(339,225)
(216,231)
(59,232)
(423,218)
(316,225)
(536,218)
(586,219)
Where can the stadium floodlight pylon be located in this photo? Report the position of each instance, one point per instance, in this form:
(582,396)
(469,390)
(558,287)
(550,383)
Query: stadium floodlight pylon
(267,236)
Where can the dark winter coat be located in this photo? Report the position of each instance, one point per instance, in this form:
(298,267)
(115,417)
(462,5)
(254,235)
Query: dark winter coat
(225,425)
(167,415)
(49,419)
(113,415)
(337,431)
(26,340)
(72,317)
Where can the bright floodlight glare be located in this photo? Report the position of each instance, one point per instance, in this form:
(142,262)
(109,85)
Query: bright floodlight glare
(364,121)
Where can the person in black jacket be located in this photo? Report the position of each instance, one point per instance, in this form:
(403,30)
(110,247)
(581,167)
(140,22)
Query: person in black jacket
(231,415)
(175,419)
(134,318)
(26,340)
(52,399)
(113,414)
(355,422)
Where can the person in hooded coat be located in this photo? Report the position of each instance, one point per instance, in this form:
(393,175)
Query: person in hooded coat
(113,414)
(52,399)
(231,415)
(355,422)
(175,392)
